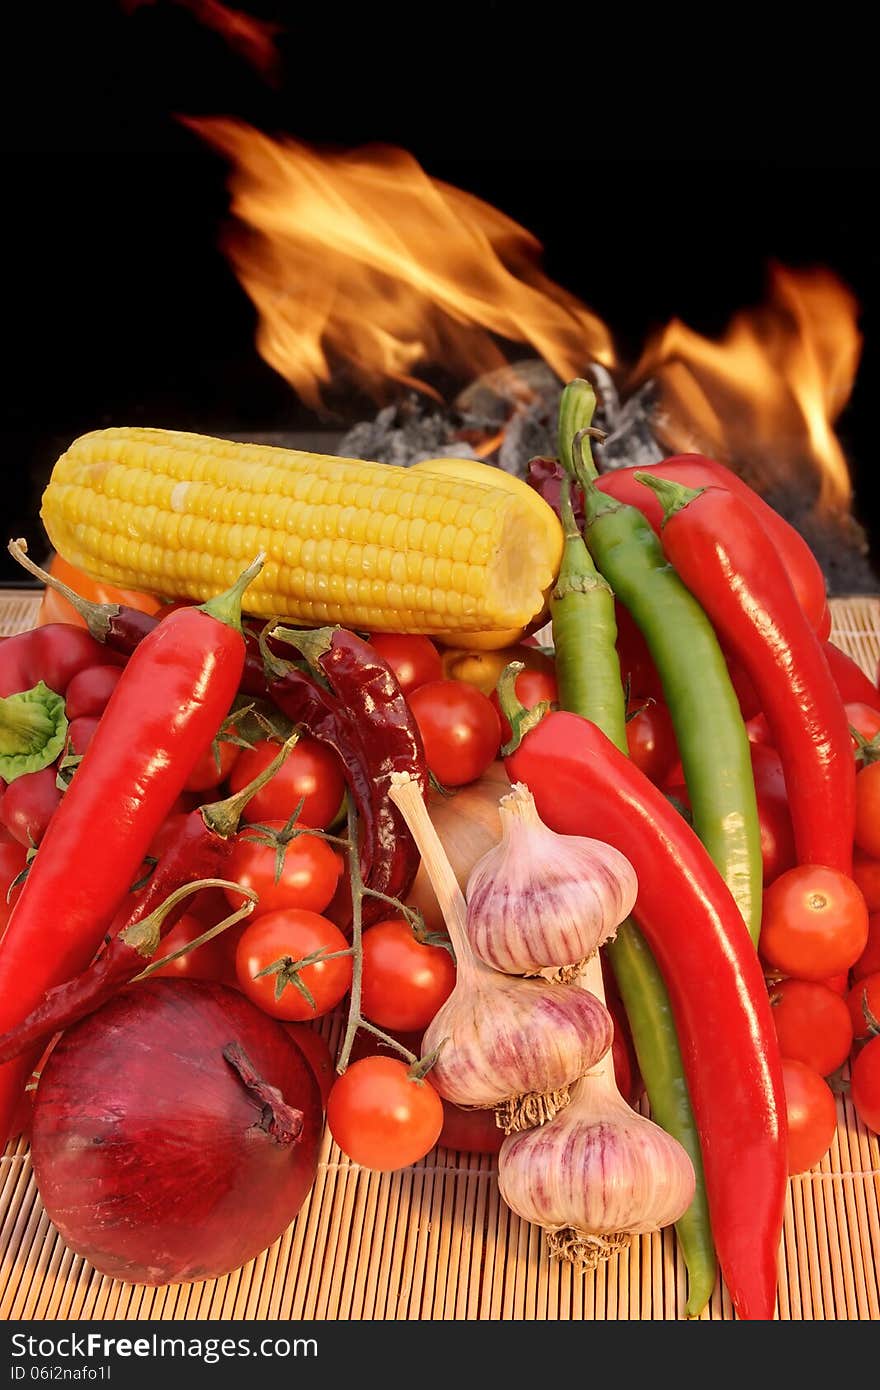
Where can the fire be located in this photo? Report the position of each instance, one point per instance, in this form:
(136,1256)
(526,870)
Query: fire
(253,38)
(360,263)
(363,258)
(768,393)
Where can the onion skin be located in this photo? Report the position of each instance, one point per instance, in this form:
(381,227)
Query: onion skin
(150,1152)
(469,824)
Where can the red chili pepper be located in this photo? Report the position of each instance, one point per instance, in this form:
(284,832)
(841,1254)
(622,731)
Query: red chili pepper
(731,565)
(582,785)
(852,683)
(694,470)
(200,847)
(163,714)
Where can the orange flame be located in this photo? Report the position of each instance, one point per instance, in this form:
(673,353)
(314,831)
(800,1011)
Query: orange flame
(363,257)
(768,393)
(253,38)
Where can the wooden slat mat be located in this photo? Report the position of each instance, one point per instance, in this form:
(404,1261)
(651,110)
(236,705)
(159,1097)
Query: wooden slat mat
(435,1241)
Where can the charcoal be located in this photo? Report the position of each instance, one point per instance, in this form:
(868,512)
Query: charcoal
(492,399)
(405,433)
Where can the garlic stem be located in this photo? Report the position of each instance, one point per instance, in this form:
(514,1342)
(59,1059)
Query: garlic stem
(407,797)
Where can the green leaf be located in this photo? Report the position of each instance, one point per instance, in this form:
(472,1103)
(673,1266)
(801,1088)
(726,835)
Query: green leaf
(33,728)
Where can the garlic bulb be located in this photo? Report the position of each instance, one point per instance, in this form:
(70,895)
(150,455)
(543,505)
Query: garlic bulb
(539,899)
(597,1174)
(510,1044)
(514,1045)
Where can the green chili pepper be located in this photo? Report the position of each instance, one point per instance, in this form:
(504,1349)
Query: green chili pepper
(588,674)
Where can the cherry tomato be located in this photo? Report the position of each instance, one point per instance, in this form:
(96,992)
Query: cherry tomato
(381,1117)
(838,984)
(864,719)
(865,990)
(637,669)
(650,738)
(814,924)
(778,851)
(867,834)
(316,1051)
(414,660)
(27,805)
(865,1085)
(13,858)
(812,1024)
(866,873)
(749,703)
(206,962)
(470,1131)
(404,983)
(213,767)
(812,1115)
(311,773)
(460,729)
(80,733)
(309,873)
(530,687)
(869,960)
(292,935)
(90,690)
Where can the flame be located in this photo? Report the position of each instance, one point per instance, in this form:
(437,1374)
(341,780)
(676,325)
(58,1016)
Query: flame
(361,260)
(768,393)
(363,257)
(253,38)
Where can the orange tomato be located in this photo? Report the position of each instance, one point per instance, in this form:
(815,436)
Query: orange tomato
(54,607)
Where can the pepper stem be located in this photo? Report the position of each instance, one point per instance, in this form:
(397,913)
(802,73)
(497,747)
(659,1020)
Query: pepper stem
(144,936)
(674,496)
(312,643)
(520,719)
(226,607)
(96,616)
(223,816)
(576,407)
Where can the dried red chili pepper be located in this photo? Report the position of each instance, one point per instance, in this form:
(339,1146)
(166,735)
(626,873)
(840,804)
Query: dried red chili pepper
(730,563)
(172,698)
(583,785)
(367,690)
(199,851)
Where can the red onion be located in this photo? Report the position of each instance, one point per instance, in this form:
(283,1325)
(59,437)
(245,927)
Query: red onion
(165,1144)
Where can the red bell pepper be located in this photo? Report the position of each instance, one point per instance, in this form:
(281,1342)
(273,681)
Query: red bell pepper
(583,785)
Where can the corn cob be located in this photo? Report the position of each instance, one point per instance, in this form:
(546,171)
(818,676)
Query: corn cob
(368,545)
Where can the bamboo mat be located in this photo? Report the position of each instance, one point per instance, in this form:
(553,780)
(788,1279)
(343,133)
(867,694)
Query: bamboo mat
(435,1241)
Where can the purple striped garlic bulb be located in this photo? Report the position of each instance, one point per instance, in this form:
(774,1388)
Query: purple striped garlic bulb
(539,899)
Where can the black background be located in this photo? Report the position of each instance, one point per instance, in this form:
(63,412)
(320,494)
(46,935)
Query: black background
(659,183)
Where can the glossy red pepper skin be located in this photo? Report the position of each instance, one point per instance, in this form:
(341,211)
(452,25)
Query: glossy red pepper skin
(54,654)
(852,683)
(583,785)
(696,471)
(171,700)
(196,852)
(731,565)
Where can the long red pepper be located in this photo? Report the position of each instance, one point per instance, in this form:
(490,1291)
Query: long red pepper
(583,785)
(730,564)
(165,711)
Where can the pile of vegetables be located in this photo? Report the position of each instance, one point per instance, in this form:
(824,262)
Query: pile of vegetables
(533,885)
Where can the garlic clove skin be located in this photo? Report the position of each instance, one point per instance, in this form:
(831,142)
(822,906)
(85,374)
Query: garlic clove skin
(538,899)
(515,1045)
(596,1175)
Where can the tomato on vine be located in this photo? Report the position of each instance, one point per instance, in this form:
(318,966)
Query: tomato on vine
(814,924)
(404,982)
(383,1115)
(285,868)
(812,1115)
(310,774)
(272,945)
